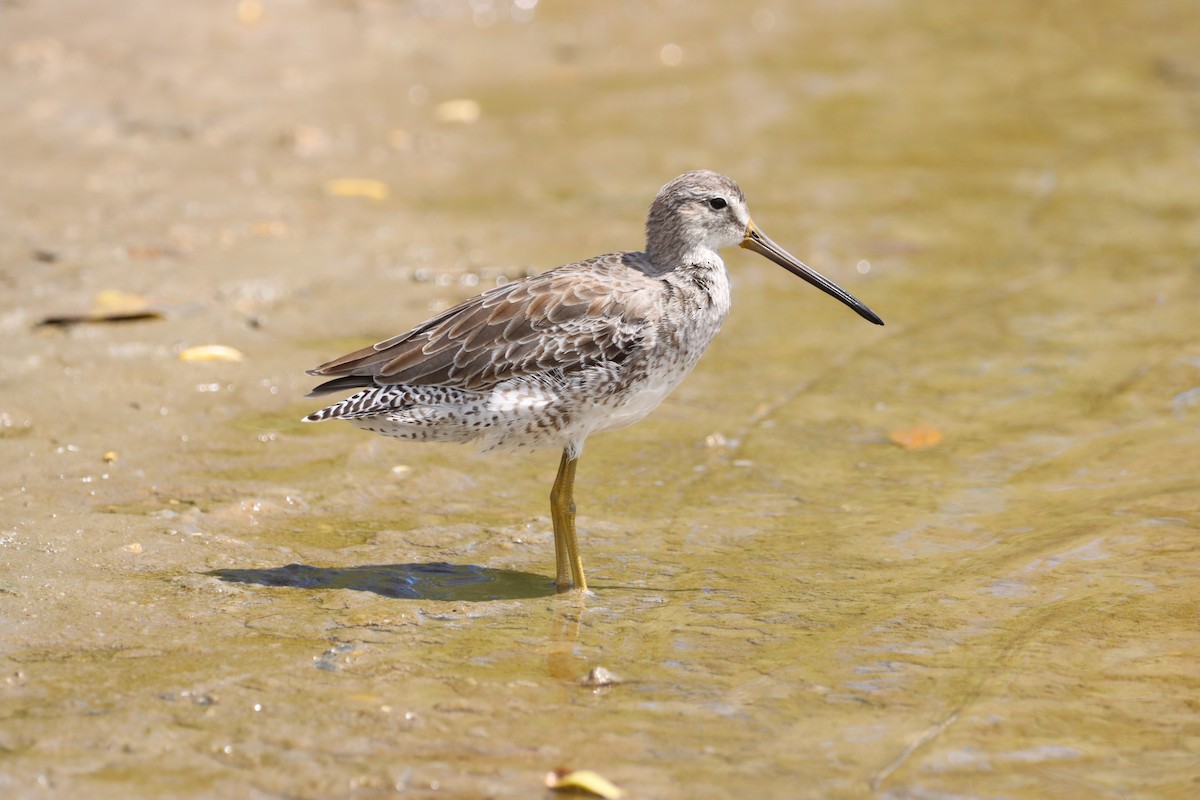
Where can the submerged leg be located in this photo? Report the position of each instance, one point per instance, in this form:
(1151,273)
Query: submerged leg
(562,514)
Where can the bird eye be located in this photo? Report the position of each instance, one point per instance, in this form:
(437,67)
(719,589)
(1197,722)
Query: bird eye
(717,203)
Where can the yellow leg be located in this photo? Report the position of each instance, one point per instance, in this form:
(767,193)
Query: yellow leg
(562,514)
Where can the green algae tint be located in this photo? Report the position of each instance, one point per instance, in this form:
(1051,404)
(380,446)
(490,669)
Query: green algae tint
(796,606)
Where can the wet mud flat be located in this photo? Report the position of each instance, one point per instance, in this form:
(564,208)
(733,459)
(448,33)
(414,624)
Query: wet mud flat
(952,556)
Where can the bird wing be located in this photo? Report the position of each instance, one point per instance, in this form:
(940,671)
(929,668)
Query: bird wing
(568,318)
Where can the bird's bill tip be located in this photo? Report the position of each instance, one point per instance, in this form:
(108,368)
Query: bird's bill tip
(758,242)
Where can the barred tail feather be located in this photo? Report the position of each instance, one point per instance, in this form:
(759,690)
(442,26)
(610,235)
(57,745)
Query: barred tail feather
(367,403)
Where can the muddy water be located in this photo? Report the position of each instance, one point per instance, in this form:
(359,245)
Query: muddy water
(233,604)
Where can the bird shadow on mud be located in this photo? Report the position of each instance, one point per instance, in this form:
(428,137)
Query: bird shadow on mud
(431,581)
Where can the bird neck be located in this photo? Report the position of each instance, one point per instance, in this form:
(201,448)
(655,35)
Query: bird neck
(675,255)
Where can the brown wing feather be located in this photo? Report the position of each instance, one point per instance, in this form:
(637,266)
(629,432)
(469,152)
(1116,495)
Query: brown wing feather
(568,318)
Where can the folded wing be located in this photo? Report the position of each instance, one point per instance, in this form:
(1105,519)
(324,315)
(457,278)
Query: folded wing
(566,319)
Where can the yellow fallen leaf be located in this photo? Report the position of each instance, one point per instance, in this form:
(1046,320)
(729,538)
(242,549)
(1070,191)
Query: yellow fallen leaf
(357,187)
(210,352)
(368,699)
(916,438)
(583,780)
(110,457)
(249,12)
(114,301)
(464,111)
(110,305)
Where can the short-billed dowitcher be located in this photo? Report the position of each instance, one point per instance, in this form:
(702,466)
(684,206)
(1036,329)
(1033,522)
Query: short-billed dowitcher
(551,359)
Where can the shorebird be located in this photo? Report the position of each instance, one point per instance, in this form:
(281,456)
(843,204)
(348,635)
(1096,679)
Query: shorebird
(550,359)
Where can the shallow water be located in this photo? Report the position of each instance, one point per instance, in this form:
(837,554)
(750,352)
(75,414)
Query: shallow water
(796,605)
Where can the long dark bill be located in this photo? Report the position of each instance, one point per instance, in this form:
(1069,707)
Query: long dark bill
(760,243)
